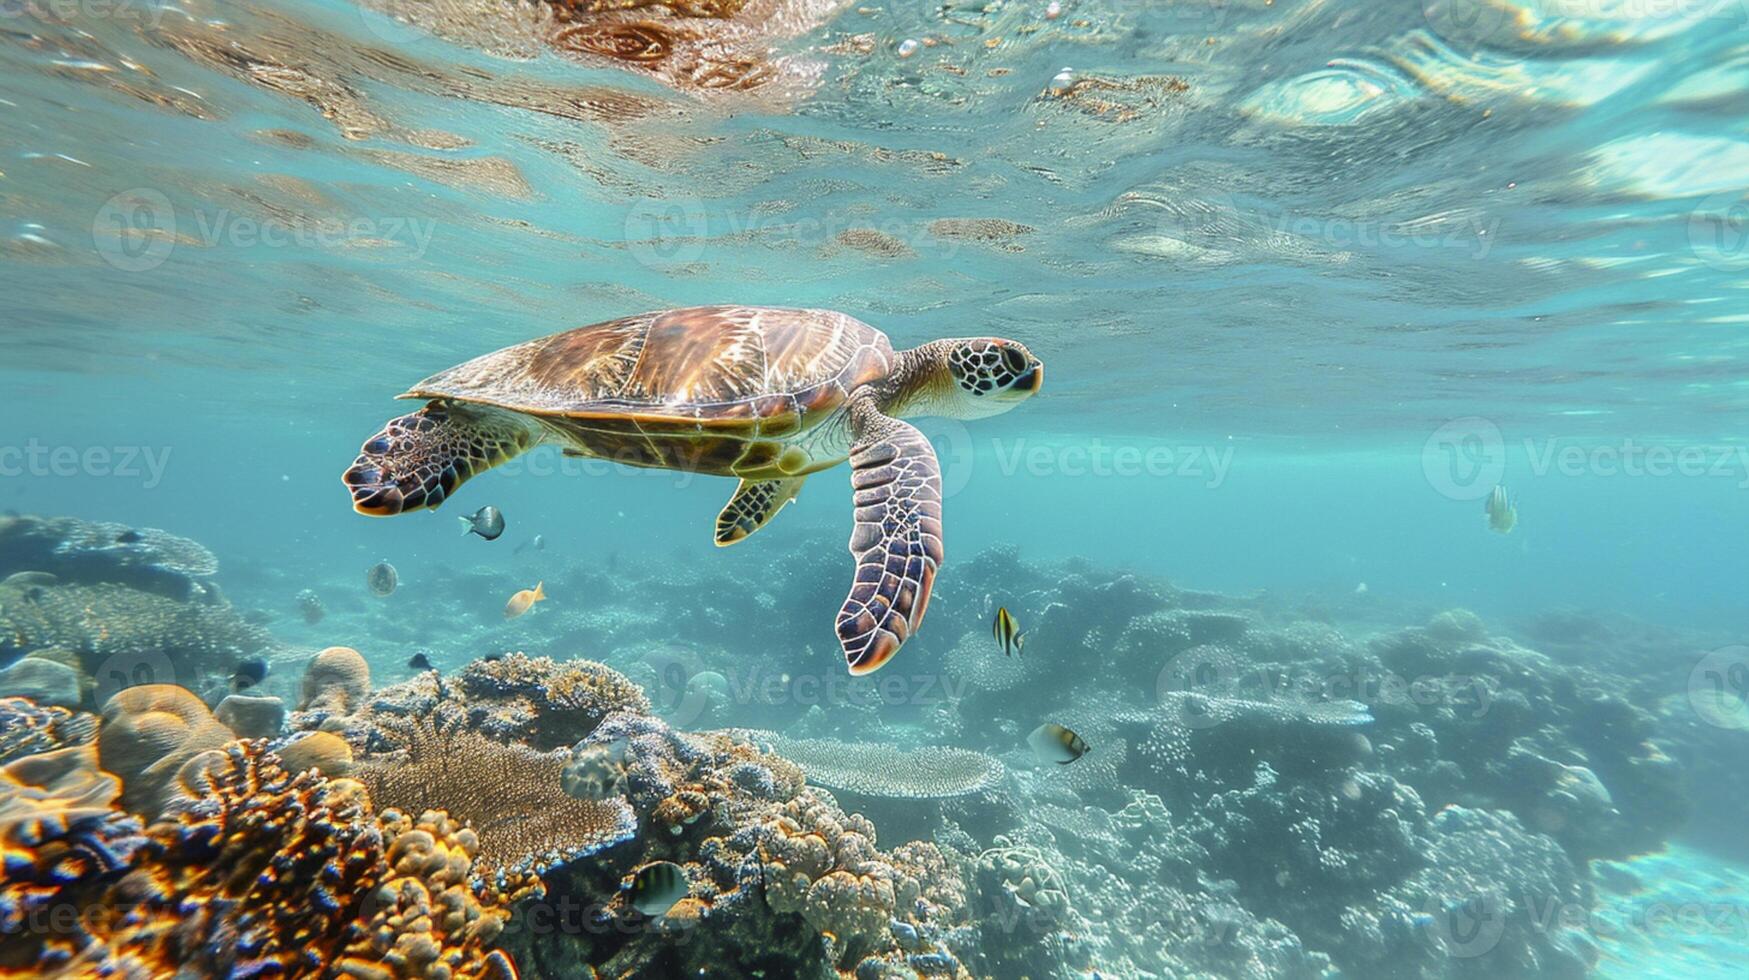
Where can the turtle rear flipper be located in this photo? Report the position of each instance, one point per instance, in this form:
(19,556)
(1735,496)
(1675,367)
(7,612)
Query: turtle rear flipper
(419,459)
(755,502)
(897,538)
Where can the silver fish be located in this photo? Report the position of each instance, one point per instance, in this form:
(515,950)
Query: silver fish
(382,579)
(487,522)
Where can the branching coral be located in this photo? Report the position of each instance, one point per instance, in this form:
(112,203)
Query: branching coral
(27,728)
(870,769)
(510,794)
(259,872)
(545,703)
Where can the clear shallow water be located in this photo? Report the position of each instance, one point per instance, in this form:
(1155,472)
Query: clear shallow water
(1316,275)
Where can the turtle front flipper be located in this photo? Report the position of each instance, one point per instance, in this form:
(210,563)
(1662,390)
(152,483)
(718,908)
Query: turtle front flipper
(418,460)
(754,503)
(897,538)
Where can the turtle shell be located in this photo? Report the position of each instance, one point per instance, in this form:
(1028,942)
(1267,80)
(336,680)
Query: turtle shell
(711,367)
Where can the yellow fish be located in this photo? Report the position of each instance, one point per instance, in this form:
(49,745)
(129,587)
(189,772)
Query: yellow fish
(1502,515)
(523,601)
(1007,633)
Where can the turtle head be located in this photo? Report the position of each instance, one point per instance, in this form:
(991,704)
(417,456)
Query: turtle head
(989,376)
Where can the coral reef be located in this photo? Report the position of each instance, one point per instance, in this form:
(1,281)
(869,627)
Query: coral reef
(125,635)
(510,794)
(64,841)
(27,728)
(783,882)
(90,551)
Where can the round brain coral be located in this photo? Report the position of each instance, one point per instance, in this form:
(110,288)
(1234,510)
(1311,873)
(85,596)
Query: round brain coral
(148,733)
(336,681)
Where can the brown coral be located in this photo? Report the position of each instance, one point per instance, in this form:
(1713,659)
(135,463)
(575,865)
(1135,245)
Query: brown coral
(546,703)
(336,682)
(267,873)
(322,751)
(148,733)
(510,795)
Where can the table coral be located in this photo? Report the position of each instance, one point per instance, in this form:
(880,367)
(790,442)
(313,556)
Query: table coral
(873,769)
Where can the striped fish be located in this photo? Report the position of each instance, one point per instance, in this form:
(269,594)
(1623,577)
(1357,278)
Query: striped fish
(1007,633)
(1502,515)
(1052,742)
(657,887)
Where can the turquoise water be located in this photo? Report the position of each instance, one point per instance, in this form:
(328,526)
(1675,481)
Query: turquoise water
(1309,278)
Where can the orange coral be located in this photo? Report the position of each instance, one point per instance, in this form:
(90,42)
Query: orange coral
(269,873)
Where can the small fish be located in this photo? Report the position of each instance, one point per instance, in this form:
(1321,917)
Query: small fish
(657,887)
(1007,633)
(1502,515)
(419,661)
(492,658)
(382,579)
(249,672)
(1054,743)
(523,601)
(130,536)
(538,543)
(487,522)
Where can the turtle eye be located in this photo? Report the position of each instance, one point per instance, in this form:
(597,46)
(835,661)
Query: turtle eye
(1013,360)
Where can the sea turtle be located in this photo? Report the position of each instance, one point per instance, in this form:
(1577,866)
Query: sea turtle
(766,395)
